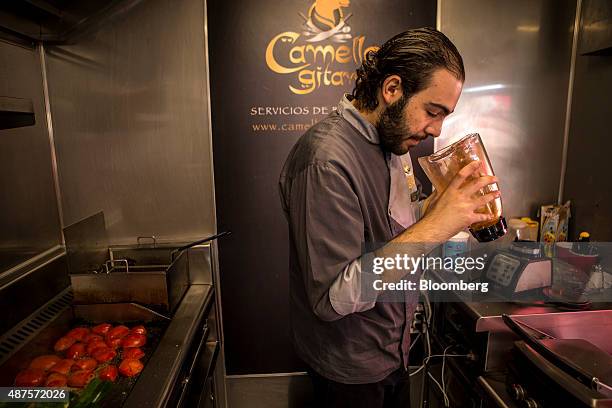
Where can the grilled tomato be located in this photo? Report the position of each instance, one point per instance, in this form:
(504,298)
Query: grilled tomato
(32,377)
(118,332)
(130,367)
(62,367)
(45,362)
(92,337)
(56,380)
(77,350)
(94,345)
(108,373)
(104,354)
(139,330)
(64,343)
(78,333)
(101,329)
(134,353)
(85,364)
(113,343)
(133,340)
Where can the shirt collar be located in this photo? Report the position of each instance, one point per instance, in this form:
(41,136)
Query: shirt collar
(352,115)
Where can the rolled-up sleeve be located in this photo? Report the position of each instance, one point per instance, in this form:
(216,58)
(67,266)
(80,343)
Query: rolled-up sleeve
(327,226)
(352,291)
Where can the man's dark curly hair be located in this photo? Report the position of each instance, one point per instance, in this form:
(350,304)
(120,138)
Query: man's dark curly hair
(412,55)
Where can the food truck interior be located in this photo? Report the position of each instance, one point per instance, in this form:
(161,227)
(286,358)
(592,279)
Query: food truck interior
(141,143)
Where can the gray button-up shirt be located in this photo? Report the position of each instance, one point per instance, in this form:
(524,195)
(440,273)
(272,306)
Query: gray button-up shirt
(342,193)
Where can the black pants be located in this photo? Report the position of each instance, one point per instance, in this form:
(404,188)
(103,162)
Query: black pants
(391,392)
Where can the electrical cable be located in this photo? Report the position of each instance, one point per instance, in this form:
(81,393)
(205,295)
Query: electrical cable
(427,310)
(442,375)
(416,339)
(427,345)
(446,401)
(426,360)
(426,304)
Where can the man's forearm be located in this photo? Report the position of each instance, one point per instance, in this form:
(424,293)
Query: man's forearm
(428,201)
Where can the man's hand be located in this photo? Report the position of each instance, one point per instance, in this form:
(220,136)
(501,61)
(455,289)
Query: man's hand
(455,208)
(449,212)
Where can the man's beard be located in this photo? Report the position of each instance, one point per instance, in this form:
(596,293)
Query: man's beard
(393,127)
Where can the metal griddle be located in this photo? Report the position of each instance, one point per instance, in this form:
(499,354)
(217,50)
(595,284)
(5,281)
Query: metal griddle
(64,320)
(170,343)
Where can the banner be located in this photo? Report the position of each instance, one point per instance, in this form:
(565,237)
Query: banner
(276,68)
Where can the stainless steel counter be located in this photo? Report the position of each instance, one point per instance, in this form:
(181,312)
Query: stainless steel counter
(593,325)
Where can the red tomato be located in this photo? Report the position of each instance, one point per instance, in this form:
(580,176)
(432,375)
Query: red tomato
(133,340)
(44,362)
(62,367)
(108,373)
(77,350)
(78,333)
(130,367)
(104,354)
(117,332)
(85,364)
(101,329)
(92,337)
(32,377)
(80,378)
(94,345)
(139,330)
(56,380)
(64,343)
(113,343)
(134,353)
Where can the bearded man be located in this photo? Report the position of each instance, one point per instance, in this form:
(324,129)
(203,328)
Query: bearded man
(343,190)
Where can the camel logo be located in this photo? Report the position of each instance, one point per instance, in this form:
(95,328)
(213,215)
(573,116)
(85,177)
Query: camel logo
(317,65)
(326,20)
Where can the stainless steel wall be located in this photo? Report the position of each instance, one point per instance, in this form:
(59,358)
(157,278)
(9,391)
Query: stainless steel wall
(517,57)
(587,179)
(130,109)
(29,221)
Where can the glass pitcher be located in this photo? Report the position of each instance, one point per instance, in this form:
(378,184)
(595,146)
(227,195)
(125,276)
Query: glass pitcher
(444,164)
